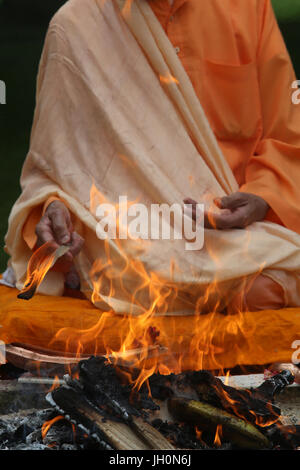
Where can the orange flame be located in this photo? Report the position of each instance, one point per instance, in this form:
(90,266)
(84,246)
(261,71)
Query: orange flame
(141,342)
(39,264)
(218,435)
(127,8)
(168,79)
(226,382)
(199,433)
(56,383)
(47,425)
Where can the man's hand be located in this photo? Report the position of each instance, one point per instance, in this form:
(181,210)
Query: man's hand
(56,226)
(238,211)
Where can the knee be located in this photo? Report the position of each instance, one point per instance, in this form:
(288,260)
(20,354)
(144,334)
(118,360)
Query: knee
(262,293)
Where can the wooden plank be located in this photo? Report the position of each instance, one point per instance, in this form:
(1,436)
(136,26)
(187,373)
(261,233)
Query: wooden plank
(118,434)
(154,438)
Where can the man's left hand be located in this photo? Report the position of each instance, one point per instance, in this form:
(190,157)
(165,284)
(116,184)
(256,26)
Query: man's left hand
(238,211)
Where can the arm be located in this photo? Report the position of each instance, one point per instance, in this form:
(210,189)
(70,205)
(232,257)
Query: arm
(272,189)
(273,172)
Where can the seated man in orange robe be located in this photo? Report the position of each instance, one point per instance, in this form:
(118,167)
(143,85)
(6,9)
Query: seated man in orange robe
(242,74)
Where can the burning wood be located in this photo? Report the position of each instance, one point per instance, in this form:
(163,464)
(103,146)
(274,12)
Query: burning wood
(205,416)
(287,437)
(39,264)
(41,381)
(100,404)
(255,405)
(132,434)
(105,403)
(101,409)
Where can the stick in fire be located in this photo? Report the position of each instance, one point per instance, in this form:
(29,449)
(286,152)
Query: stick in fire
(42,260)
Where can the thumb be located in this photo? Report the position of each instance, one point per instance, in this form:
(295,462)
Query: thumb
(60,227)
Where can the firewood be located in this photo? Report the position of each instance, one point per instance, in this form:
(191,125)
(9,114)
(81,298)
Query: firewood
(117,434)
(287,437)
(239,432)
(102,385)
(76,409)
(99,397)
(148,433)
(253,404)
(40,381)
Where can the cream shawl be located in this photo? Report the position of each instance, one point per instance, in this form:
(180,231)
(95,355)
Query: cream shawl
(116,111)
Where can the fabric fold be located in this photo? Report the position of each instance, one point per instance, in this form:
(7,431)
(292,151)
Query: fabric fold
(114,127)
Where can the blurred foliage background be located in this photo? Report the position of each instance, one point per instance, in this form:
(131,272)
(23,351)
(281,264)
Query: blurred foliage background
(23,24)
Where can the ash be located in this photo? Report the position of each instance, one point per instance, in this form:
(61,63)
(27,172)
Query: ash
(23,431)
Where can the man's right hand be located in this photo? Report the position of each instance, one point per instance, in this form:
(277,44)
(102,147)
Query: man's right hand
(56,226)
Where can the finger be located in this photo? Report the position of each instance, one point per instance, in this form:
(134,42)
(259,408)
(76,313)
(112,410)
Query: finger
(218,202)
(44,231)
(208,216)
(65,262)
(209,220)
(240,218)
(233,201)
(60,227)
(58,206)
(76,243)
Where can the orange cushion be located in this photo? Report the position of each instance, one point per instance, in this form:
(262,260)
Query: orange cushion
(212,341)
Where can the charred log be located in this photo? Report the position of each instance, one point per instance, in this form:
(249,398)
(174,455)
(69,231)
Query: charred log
(255,405)
(285,437)
(187,410)
(102,406)
(235,430)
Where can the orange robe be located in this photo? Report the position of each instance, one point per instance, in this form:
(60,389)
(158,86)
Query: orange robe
(235,56)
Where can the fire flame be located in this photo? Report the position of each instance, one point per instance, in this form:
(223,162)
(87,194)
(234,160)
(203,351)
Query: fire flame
(47,425)
(56,384)
(127,8)
(38,266)
(142,345)
(145,333)
(168,79)
(199,433)
(218,435)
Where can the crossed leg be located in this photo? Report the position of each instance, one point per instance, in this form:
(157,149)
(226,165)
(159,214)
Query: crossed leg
(262,293)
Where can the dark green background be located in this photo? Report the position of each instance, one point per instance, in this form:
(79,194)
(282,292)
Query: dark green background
(23,25)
